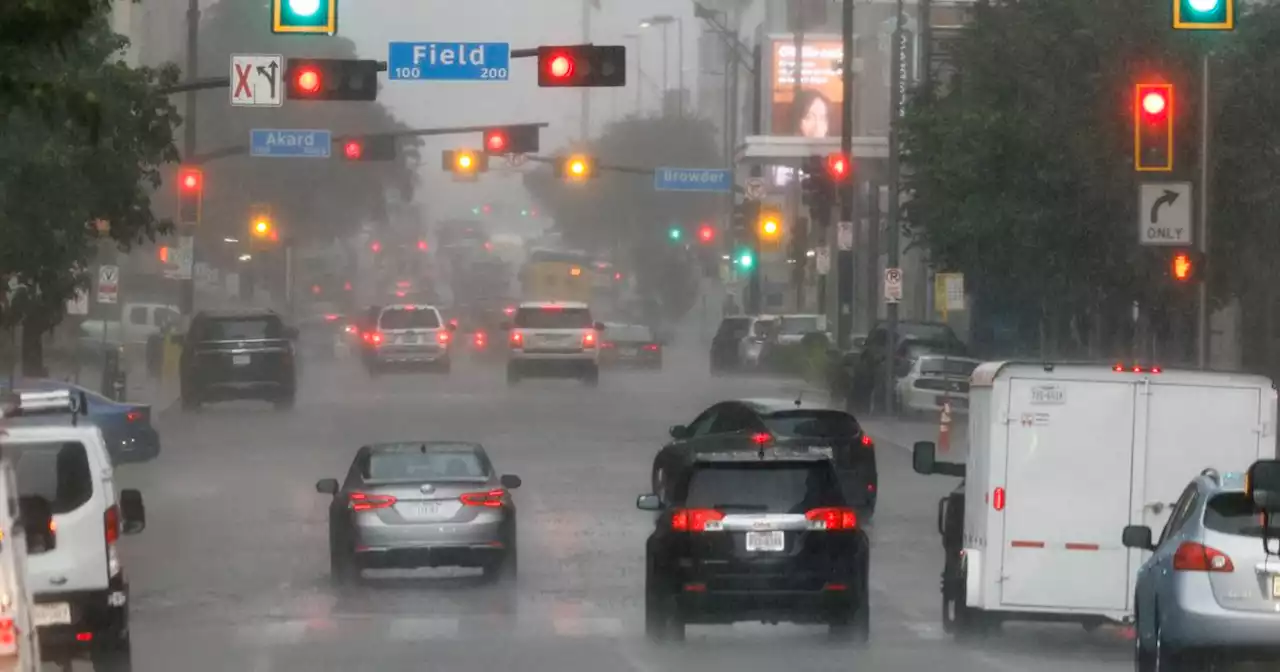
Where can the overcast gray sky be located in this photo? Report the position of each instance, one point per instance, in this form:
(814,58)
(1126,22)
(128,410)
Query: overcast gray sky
(524,24)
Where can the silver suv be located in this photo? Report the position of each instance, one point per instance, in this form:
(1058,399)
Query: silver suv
(409,335)
(553,339)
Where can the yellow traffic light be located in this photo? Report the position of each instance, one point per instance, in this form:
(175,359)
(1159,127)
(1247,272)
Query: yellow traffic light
(770,225)
(262,227)
(464,161)
(577,167)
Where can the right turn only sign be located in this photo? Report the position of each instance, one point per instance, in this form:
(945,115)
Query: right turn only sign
(1164,213)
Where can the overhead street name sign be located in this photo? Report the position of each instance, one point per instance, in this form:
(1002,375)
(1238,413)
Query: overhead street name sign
(693,179)
(255,80)
(450,61)
(1164,213)
(290,143)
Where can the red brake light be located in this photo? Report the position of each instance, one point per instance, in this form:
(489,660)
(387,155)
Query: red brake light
(375,338)
(133,416)
(1194,557)
(442,336)
(589,339)
(694,520)
(111,524)
(330,318)
(866,441)
(652,347)
(517,339)
(361,501)
(997,499)
(762,438)
(1118,367)
(509,310)
(1156,369)
(491,499)
(833,518)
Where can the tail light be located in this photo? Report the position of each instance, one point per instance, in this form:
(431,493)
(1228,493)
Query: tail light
(652,347)
(331,318)
(867,442)
(509,310)
(480,338)
(363,501)
(761,438)
(589,339)
(8,637)
(696,520)
(517,339)
(606,345)
(997,499)
(443,337)
(491,499)
(349,329)
(400,293)
(111,534)
(832,518)
(1193,557)
(134,416)
(375,338)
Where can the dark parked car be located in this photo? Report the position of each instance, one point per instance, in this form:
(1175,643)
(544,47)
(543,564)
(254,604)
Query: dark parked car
(231,355)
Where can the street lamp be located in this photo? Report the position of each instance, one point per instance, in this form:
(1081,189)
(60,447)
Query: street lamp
(639,58)
(665,20)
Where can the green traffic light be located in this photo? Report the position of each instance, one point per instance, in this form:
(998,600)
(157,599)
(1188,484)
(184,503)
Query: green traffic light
(1204,14)
(1203,6)
(674,234)
(745,260)
(524,213)
(304,16)
(475,211)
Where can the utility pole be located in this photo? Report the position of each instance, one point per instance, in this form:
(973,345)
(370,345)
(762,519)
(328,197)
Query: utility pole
(799,234)
(848,190)
(894,230)
(585,130)
(1202,309)
(754,302)
(187,286)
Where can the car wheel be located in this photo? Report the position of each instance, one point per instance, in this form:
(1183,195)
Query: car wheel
(115,654)
(1144,659)
(1166,658)
(592,379)
(343,570)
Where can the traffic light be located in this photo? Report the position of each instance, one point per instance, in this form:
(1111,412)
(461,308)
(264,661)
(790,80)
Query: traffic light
(1153,128)
(1186,266)
(422,246)
(464,163)
(371,148)
(770,225)
(190,194)
(331,79)
(511,140)
(744,259)
(1204,14)
(675,234)
(839,168)
(576,167)
(262,228)
(375,247)
(582,65)
(706,234)
(315,17)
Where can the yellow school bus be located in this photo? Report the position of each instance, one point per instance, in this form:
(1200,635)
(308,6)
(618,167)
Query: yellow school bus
(557,275)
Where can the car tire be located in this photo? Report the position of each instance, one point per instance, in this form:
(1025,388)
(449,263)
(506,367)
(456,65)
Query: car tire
(114,654)
(592,379)
(343,570)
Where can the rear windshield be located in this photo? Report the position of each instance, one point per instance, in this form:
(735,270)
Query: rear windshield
(628,332)
(774,487)
(553,318)
(241,328)
(734,326)
(1233,513)
(412,463)
(815,424)
(797,326)
(949,367)
(404,318)
(58,472)
(932,332)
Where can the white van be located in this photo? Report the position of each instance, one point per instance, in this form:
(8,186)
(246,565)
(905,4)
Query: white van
(1061,458)
(78,584)
(19,641)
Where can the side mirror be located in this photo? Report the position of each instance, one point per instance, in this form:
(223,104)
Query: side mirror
(599,326)
(1137,536)
(1262,485)
(510,481)
(37,523)
(505,326)
(679,432)
(923,457)
(133,514)
(327,486)
(648,503)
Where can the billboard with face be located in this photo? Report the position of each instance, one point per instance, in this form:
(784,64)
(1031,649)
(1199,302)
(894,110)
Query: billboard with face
(818,110)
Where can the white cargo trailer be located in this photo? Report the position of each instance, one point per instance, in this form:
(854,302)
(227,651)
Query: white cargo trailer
(1061,458)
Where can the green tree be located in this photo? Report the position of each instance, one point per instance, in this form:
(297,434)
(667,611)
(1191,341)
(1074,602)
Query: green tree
(1020,174)
(57,176)
(621,210)
(311,199)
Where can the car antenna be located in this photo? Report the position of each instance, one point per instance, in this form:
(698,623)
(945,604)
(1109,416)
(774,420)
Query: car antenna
(799,397)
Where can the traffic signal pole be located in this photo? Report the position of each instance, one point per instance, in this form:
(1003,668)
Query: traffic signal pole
(187,286)
(848,190)
(753,299)
(893,230)
(1202,290)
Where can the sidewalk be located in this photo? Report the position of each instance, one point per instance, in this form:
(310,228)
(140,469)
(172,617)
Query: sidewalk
(140,388)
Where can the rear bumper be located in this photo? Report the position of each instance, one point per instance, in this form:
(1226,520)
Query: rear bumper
(138,446)
(104,614)
(228,390)
(425,355)
(450,555)
(729,606)
(1199,623)
(553,365)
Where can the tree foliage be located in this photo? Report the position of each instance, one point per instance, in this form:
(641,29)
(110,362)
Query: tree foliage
(621,210)
(310,198)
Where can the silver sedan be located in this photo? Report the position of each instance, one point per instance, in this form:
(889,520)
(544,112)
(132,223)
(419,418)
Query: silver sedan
(421,504)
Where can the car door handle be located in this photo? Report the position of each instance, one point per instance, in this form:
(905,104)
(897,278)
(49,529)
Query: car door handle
(58,580)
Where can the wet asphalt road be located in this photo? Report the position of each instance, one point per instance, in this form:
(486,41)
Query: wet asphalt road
(232,570)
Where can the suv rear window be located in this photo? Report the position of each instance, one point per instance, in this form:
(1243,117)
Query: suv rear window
(815,424)
(1233,513)
(404,318)
(241,328)
(553,318)
(58,472)
(767,487)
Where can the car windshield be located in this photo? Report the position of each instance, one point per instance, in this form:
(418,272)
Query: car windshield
(418,462)
(770,487)
(58,472)
(406,318)
(798,325)
(241,328)
(629,333)
(553,317)
(818,424)
(948,367)
(1233,513)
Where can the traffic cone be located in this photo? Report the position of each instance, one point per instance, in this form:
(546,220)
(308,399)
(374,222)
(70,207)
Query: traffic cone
(944,428)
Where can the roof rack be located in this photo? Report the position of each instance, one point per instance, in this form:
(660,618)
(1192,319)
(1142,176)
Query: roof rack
(44,402)
(765,454)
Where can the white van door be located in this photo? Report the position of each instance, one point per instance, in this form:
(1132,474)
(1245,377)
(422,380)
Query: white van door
(1068,473)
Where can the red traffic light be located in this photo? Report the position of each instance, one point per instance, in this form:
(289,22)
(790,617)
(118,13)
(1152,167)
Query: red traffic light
(496,141)
(353,149)
(1154,103)
(560,66)
(189,179)
(308,79)
(838,167)
(706,234)
(375,246)
(422,245)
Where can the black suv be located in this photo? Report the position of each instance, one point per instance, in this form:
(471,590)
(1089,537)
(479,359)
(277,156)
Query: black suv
(238,355)
(757,535)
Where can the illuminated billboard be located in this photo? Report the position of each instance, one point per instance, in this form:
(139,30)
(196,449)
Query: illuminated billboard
(821,106)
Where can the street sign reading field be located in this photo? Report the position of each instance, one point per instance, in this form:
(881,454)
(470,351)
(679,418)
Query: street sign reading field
(255,80)
(290,143)
(1164,213)
(451,61)
(693,179)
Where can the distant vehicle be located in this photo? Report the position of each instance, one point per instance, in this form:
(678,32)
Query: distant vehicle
(1208,592)
(141,321)
(130,437)
(554,275)
(724,345)
(238,355)
(928,380)
(409,335)
(761,534)
(630,345)
(421,504)
(553,339)
(1041,435)
(75,574)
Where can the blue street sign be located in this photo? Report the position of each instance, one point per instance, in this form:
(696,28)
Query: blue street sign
(693,179)
(457,61)
(290,143)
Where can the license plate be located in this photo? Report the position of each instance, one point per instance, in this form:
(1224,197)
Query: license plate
(410,339)
(629,352)
(765,541)
(1275,587)
(424,510)
(55,613)
(240,360)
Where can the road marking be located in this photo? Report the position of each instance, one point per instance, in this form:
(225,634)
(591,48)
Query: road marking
(414,629)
